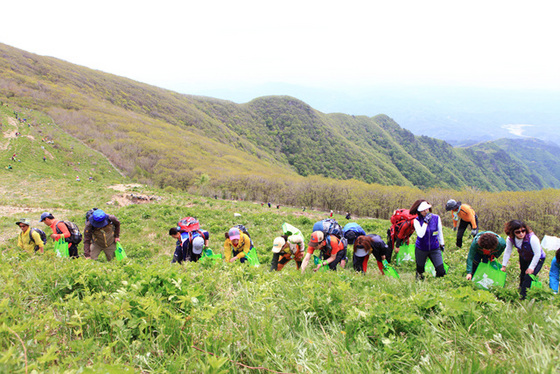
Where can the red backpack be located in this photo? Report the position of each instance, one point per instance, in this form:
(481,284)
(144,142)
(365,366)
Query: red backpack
(402,227)
(189,224)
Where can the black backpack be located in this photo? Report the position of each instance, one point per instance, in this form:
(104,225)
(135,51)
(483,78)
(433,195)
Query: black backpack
(41,234)
(75,234)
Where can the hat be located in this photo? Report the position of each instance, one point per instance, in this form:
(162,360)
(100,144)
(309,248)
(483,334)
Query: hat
(25,221)
(234,233)
(316,238)
(99,219)
(451,204)
(278,244)
(197,245)
(423,206)
(45,215)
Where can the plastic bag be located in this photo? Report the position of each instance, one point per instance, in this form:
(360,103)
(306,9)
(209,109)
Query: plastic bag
(317,260)
(389,270)
(61,248)
(209,256)
(288,229)
(252,258)
(406,253)
(120,254)
(429,267)
(535,283)
(489,274)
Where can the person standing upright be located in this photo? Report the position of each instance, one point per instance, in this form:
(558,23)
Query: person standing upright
(463,216)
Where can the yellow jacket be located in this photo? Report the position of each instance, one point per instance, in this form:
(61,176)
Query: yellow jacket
(466,213)
(25,242)
(240,250)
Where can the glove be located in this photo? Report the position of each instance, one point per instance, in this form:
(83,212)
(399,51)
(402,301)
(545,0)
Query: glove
(442,247)
(428,217)
(454,228)
(474,232)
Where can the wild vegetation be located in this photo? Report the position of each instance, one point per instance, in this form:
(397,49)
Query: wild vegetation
(147,315)
(162,137)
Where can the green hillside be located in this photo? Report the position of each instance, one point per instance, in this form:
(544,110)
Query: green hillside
(149,316)
(155,135)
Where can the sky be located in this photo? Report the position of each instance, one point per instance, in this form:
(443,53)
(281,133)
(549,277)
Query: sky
(355,57)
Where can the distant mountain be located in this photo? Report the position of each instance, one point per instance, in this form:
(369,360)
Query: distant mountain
(171,139)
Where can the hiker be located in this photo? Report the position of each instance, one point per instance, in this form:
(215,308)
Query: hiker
(429,238)
(366,245)
(553,276)
(236,246)
(348,216)
(331,213)
(60,230)
(285,249)
(486,247)
(102,232)
(29,239)
(531,254)
(333,250)
(190,244)
(463,215)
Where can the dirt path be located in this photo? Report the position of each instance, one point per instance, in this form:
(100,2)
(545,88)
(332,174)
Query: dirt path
(10,134)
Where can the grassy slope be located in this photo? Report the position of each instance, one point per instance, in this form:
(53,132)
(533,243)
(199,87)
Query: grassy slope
(150,316)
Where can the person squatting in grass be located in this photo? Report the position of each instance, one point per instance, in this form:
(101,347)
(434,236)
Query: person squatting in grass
(28,239)
(333,250)
(463,216)
(486,246)
(236,246)
(366,245)
(429,238)
(553,276)
(60,230)
(286,248)
(531,254)
(101,234)
(189,246)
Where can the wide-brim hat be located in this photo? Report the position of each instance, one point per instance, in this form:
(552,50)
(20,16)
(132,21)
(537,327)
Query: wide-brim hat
(99,219)
(25,221)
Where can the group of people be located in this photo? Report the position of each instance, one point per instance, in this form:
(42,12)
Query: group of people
(101,233)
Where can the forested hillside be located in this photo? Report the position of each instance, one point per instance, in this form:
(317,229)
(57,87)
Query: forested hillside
(155,135)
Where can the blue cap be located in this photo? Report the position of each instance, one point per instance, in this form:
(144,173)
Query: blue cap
(45,215)
(99,218)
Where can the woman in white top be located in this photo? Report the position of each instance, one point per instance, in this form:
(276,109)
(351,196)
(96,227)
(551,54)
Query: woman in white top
(531,255)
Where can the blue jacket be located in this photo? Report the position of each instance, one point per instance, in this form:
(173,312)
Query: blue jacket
(553,277)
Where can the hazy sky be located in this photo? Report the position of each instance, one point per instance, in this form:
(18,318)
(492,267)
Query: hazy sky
(196,46)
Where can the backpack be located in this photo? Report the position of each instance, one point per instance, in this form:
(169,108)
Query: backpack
(75,234)
(244,230)
(402,227)
(41,234)
(327,253)
(351,231)
(189,224)
(89,213)
(329,226)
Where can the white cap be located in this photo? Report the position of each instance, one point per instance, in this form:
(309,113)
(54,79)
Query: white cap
(278,244)
(423,206)
(197,245)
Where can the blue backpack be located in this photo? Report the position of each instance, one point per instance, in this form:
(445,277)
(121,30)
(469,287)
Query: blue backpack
(351,231)
(328,226)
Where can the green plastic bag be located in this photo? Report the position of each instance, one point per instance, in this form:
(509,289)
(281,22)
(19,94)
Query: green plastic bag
(252,258)
(389,270)
(535,283)
(489,274)
(406,253)
(317,260)
(61,248)
(120,254)
(288,229)
(429,267)
(208,256)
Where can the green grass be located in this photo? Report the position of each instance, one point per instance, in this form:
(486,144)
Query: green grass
(147,315)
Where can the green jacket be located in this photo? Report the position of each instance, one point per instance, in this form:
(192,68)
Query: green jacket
(475,249)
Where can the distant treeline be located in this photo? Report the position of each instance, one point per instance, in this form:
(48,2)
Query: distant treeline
(540,209)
